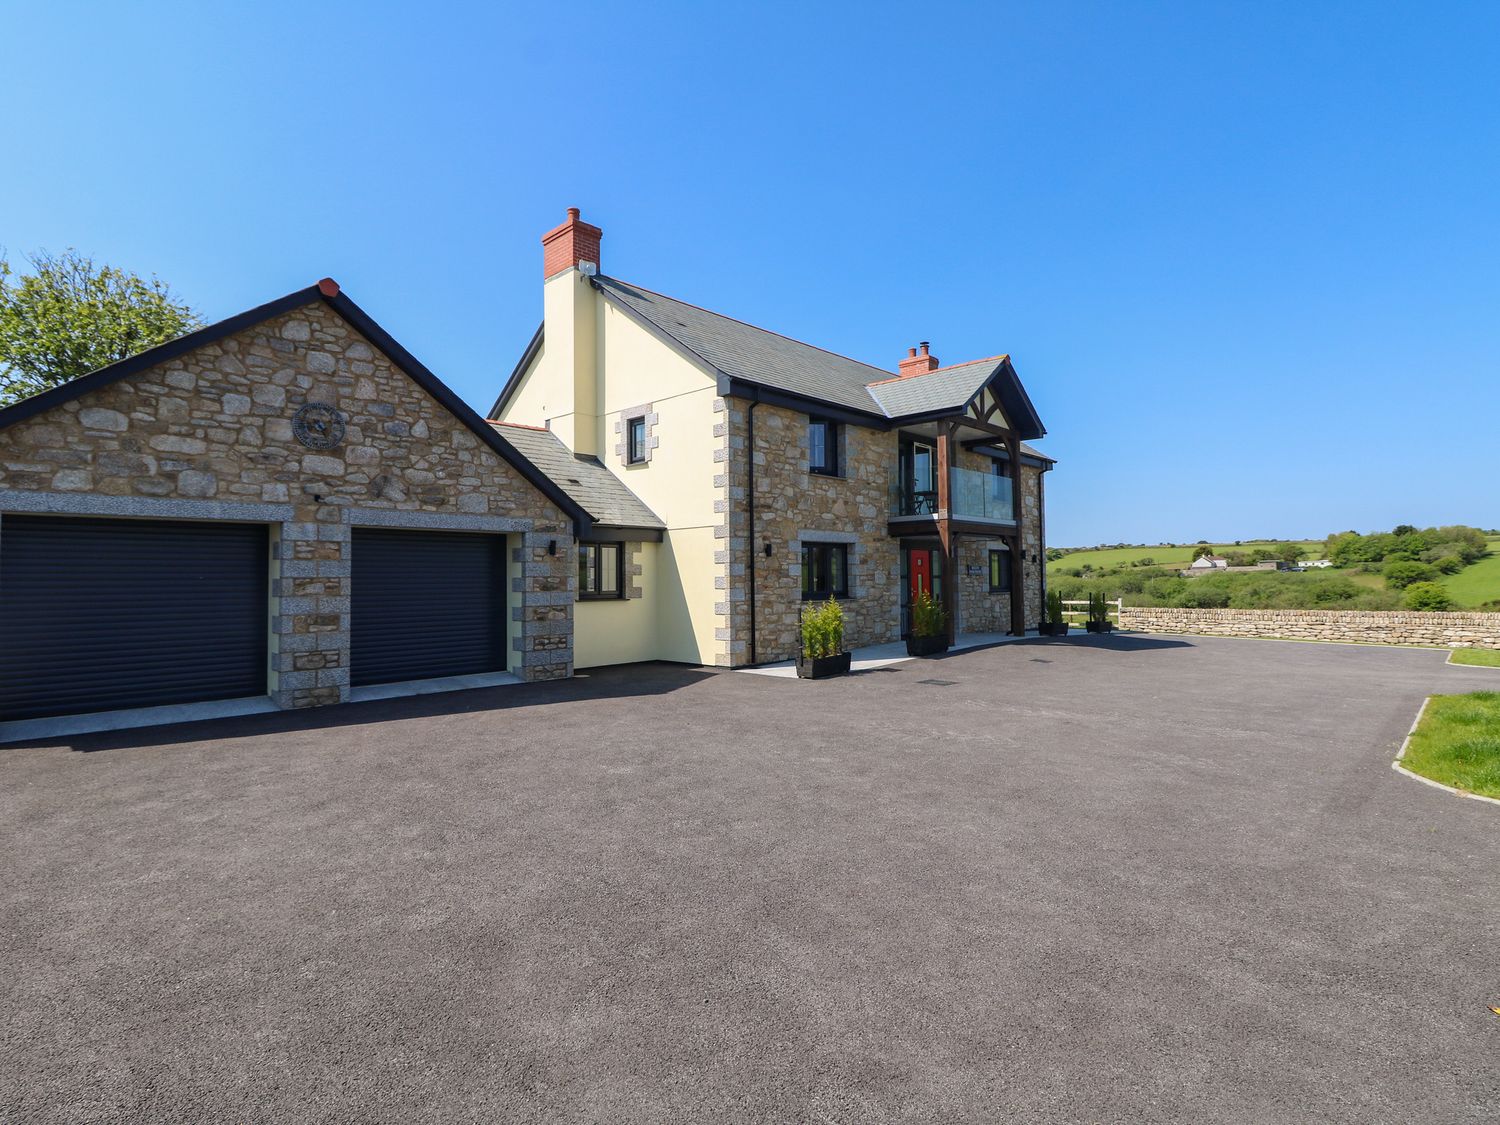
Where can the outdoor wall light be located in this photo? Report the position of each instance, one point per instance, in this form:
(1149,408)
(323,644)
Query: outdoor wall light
(768,548)
(552,546)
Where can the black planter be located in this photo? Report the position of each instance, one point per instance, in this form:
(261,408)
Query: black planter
(1048,629)
(926,646)
(1099,626)
(820,666)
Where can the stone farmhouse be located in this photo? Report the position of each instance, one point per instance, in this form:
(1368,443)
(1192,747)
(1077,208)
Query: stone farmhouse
(287,509)
(780,472)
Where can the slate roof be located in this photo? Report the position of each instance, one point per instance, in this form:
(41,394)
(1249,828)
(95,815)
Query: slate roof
(604,496)
(768,359)
(947,388)
(754,354)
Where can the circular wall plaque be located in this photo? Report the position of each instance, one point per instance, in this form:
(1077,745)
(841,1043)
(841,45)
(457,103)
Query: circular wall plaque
(318,425)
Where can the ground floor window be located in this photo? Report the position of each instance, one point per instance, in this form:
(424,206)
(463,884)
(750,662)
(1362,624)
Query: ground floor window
(825,570)
(999,572)
(599,571)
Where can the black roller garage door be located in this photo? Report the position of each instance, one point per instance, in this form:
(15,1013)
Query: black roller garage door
(426,604)
(99,614)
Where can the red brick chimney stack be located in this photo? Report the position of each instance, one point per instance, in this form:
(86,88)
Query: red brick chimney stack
(566,246)
(915,364)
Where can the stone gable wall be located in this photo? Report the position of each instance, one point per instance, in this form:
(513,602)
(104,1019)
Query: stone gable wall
(211,431)
(1442,630)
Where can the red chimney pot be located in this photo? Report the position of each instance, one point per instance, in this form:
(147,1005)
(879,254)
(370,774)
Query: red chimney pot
(563,247)
(915,364)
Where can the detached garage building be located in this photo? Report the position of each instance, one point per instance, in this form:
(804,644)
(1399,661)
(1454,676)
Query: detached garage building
(285,505)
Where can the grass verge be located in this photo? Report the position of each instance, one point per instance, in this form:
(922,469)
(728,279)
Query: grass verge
(1482,657)
(1457,742)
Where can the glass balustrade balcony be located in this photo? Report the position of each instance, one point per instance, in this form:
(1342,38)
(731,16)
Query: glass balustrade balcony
(974,496)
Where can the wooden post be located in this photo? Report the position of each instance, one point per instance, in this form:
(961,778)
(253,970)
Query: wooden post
(945,526)
(1018,549)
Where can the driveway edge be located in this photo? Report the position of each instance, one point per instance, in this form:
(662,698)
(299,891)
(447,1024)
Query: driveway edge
(1399,768)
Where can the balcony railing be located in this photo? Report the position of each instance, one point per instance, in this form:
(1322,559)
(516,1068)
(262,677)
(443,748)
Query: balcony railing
(981,496)
(975,496)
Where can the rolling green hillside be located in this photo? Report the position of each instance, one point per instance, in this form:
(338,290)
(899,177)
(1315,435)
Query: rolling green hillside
(1178,557)
(1479,582)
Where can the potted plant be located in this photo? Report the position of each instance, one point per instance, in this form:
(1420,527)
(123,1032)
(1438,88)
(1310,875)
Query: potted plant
(1055,625)
(823,652)
(1098,620)
(929,627)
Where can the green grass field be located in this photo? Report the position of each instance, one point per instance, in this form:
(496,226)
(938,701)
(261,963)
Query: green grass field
(1472,586)
(1480,657)
(1479,583)
(1458,742)
(1178,557)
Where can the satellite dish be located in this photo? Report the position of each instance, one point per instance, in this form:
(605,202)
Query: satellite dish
(587,268)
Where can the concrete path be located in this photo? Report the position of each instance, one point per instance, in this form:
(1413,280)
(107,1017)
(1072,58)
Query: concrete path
(872,657)
(1122,879)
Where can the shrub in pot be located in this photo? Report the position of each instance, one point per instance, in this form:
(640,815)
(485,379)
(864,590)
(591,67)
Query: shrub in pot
(929,627)
(1098,619)
(1055,624)
(823,652)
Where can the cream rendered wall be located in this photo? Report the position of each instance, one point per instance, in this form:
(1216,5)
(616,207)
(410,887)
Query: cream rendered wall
(630,367)
(539,396)
(677,483)
(620,631)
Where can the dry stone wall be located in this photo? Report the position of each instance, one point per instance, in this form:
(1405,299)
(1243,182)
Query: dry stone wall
(1444,630)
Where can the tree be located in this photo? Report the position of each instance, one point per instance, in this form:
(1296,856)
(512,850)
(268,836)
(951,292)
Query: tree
(1401,573)
(1429,596)
(71,316)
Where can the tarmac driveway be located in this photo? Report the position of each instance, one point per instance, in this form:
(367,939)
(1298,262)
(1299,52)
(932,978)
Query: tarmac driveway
(1128,879)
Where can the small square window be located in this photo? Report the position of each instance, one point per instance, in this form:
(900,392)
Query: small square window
(635,442)
(825,571)
(999,572)
(599,571)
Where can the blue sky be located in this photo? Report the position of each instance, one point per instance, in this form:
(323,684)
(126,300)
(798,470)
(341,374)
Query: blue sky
(1246,257)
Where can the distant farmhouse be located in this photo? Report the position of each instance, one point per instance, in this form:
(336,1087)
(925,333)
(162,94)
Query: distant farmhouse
(1218,564)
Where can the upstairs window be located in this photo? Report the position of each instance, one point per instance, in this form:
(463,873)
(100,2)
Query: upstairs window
(635,441)
(999,572)
(599,571)
(822,447)
(825,571)
(999,478)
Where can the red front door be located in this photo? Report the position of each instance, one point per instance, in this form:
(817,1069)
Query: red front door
(921,575)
